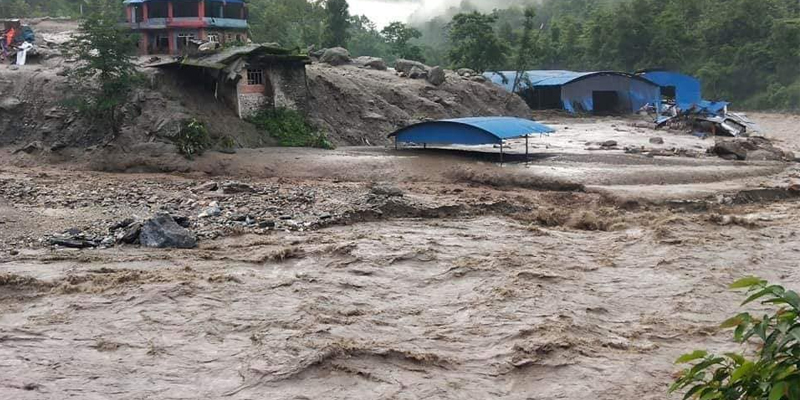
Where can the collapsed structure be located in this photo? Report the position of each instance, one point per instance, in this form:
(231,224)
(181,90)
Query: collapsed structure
(683,104)
(248,78)
(682,91)
(671,96)
(604,92)
(169,26)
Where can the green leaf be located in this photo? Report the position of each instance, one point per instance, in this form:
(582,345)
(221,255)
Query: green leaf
(742,371)
(747,282)
(697,354)
(793,299)
(737,358)
(731,322)
(739,332)
(778,390)
(693,391)
(711,394)
(757,295)
(795,333)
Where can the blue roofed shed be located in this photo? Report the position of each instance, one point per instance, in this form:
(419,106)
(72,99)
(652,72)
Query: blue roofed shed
(684,88)
(470,131)
(593,92)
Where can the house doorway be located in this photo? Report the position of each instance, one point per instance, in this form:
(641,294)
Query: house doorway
(606,102)
(162,44)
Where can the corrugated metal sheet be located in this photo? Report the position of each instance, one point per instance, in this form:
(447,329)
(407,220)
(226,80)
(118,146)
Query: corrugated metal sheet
(470,131)
(577,87)
(687,88)
(633,94)
(536,78)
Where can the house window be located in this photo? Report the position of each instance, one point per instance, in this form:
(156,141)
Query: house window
(213,38)
(255,76)
(184,38)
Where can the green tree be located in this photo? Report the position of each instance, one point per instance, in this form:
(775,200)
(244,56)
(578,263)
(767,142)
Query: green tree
(15,9)
(106,74)
(774,371)
(398,36)
(291,23)
(365,40)
(337,23)
(525,50)
(474,43)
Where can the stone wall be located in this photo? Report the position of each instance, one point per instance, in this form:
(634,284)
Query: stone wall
(226,91)
(289,86)
(285,87)
(250,104)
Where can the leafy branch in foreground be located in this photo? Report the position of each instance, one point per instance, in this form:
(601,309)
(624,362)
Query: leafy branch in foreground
(774,371)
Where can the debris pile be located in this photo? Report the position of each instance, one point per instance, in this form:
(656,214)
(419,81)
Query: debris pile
(754,148)
(16,42)
(702,121)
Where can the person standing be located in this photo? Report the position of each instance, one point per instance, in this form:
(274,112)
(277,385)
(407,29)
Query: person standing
(8,40)
(3,45)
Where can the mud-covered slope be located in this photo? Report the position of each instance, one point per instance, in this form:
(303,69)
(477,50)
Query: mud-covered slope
(355,106)
(361,106)
(41,112)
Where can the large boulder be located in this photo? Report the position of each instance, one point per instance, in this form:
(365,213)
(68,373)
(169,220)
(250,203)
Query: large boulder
(405,66)
(163,232)
(9,103)
(436,76)
(417,73)
(466,72)
(730,149)
(371,62)
(765,155)
(336,56)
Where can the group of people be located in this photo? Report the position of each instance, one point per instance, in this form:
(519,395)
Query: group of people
(7,40)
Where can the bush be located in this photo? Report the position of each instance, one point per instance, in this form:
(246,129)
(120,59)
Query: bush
(193,138)
(774,372)
(290,128)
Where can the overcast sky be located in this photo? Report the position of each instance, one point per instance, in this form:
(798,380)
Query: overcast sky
(384,12)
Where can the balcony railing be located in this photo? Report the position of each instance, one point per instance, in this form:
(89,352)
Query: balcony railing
(226,23)
(187,22)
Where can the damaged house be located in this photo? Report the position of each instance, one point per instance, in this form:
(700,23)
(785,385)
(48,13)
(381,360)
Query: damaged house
(605,92)
(683,91)
(169,26)
(683,103)
(247,78)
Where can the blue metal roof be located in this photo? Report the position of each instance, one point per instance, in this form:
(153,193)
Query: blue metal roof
(470,131)
(687,88)
(537,78)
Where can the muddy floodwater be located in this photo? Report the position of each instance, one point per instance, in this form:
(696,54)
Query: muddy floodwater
(465,284)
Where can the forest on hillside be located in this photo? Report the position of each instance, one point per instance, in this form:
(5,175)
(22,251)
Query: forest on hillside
(745,51)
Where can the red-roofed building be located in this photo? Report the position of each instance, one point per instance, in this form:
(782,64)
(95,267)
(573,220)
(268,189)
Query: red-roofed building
(168,26)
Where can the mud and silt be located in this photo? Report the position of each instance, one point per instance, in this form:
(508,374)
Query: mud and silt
(456,289)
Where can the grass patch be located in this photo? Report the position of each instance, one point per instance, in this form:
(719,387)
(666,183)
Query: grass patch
(193,138)
(290,129)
